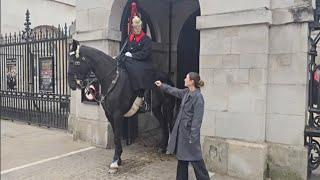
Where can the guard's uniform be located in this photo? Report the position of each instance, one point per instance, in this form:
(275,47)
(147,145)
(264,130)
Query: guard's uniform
(139,66)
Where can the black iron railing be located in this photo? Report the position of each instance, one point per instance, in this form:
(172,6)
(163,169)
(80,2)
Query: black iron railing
(33,71)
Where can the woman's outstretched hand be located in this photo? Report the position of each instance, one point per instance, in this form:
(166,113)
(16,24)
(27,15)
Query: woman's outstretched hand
(158,83)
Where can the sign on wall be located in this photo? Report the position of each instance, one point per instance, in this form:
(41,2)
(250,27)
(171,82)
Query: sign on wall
(11,73)
(46,81)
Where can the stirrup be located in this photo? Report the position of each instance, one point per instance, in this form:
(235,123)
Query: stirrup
(144,107)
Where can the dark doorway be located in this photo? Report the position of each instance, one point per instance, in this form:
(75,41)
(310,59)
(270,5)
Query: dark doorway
(188,49)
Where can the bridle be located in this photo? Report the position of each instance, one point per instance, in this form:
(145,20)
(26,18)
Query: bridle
(86,86)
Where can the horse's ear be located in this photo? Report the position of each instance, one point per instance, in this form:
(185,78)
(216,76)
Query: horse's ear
(74,45)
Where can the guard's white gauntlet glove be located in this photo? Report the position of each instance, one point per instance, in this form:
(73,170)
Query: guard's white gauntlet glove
(128,54)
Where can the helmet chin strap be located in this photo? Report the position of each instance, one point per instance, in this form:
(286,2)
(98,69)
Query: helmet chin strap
(78,51)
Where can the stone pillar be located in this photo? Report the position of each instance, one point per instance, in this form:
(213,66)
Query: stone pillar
(88,122)
(253,58)
(287,88)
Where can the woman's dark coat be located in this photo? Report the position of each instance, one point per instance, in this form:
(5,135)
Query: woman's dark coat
(185,137)
(139,67)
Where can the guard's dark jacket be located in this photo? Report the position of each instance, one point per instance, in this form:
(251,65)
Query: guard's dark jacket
(139,67)
(185,137)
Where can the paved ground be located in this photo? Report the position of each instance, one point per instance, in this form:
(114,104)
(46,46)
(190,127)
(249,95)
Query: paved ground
(32,146)
(22,144)
(50,154)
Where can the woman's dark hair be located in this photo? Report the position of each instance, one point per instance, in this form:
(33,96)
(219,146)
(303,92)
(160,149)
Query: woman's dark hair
(198,83)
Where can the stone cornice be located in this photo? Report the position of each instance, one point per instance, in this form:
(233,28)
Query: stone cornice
(238,18)
(275,16)
(292,14)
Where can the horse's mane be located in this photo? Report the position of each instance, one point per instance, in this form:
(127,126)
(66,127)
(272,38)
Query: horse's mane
(94,53)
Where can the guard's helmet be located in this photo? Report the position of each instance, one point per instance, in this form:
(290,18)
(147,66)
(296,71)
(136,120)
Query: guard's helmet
(136,21)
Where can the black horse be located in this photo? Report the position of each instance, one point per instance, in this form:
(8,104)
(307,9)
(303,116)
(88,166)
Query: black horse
(118,96)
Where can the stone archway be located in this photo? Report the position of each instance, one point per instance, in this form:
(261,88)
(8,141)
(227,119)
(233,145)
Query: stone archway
(165,46)
(165,37)
(116,8)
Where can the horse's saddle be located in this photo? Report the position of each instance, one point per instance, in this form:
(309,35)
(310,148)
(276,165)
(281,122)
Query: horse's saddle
(137,102)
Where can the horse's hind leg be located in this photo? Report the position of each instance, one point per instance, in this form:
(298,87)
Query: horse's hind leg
(164,129)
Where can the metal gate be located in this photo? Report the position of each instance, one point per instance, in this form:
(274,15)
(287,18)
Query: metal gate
(33,71)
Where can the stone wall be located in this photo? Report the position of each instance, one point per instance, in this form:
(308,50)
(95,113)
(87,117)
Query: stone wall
(88,122)
(253,58)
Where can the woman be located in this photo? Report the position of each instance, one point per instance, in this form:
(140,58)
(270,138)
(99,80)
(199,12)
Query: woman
(185,136)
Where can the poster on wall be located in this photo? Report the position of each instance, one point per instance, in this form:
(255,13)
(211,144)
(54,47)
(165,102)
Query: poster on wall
(46,81)
(11,73)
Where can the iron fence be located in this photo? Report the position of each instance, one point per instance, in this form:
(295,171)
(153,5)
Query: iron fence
(33,71)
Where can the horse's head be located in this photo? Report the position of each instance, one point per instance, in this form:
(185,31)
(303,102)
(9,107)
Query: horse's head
(78,68)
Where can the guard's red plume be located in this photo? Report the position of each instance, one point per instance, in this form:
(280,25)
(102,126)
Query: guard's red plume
(134,12)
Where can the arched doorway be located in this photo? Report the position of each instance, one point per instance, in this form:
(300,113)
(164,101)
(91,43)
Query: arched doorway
(188,49)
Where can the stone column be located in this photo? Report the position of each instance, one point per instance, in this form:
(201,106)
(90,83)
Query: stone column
(287,88)
(88,122)
(253,58)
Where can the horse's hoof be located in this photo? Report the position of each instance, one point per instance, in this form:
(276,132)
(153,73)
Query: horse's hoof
(114,164)
(113,170)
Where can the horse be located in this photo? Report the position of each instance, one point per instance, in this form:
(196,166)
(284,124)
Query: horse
(117,93)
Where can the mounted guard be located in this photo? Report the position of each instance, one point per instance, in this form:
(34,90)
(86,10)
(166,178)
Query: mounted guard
(136,59)
(119,87)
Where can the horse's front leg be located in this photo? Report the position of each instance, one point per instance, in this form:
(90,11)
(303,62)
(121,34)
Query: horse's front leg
(116,162)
